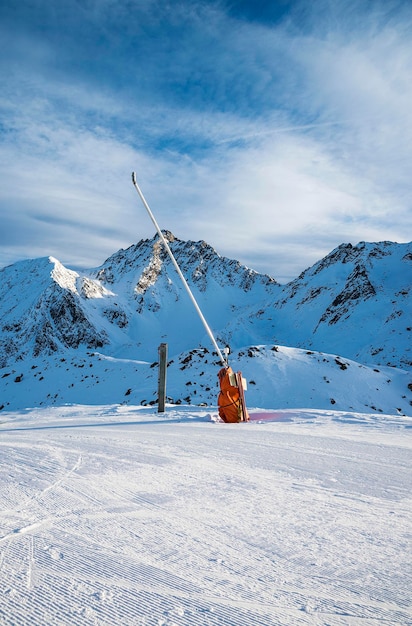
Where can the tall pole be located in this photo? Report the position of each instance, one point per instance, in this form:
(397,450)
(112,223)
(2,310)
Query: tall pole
(182,278)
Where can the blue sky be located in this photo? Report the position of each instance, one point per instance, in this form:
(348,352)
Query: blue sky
(273,130)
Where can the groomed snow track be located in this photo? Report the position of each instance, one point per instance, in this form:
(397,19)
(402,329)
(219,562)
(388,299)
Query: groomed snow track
(127,519)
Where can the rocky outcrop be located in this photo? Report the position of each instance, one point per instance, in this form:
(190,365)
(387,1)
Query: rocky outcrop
(357,302)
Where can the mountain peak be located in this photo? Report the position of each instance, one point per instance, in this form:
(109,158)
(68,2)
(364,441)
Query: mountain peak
(64,277)
(168,235)
(354,302)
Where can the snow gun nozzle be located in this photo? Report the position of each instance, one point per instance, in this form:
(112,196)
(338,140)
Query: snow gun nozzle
(134,178)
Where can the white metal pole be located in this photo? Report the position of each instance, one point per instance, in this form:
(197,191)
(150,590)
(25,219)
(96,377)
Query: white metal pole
(182,278)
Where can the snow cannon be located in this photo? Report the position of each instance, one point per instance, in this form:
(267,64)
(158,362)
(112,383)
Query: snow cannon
(231,399)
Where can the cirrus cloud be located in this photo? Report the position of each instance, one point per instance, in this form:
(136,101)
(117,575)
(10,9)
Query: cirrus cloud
(274,136)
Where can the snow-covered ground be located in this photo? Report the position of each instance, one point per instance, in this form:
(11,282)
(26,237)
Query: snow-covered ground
(278,376)
(117,515)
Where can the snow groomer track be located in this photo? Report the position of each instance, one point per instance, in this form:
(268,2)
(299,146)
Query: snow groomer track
(115,515)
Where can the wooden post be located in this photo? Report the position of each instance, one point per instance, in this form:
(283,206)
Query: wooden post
(162,377)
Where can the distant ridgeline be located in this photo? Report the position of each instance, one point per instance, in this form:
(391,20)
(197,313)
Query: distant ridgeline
(356,303)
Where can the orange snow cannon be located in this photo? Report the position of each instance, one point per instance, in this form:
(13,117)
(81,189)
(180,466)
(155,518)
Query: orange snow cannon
(231,399)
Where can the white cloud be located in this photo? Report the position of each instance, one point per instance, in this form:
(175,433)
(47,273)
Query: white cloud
(261,140)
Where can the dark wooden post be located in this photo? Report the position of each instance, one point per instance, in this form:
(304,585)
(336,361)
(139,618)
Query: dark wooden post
(162,377)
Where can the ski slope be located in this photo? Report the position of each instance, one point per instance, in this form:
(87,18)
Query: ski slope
(117,515)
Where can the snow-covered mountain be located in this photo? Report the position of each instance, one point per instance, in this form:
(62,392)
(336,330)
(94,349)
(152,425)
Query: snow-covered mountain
(353,305)
(357,302)
(151,304)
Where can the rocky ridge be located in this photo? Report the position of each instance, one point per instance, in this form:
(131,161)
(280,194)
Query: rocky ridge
(92,336)
(356,302)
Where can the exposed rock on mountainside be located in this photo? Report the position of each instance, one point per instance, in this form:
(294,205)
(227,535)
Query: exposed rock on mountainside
(355,302)
(357,287)
(92,337)
(129,304)
(42,311)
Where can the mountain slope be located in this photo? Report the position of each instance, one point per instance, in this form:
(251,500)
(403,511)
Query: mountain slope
(355,304)
(42,311)
(146,280)
(277,376)
(130,304)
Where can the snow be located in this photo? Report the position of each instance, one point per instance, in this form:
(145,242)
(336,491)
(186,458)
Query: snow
(62,276)
(114,514)
(278,376)
(355,305)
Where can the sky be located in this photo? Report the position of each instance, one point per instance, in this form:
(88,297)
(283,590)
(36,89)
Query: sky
(275,131)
